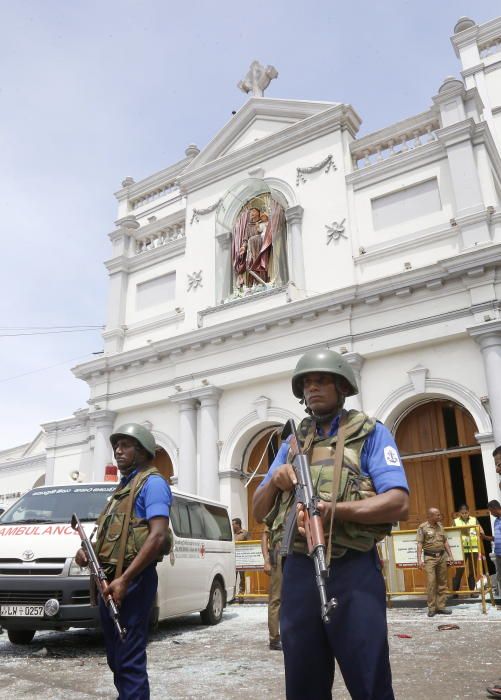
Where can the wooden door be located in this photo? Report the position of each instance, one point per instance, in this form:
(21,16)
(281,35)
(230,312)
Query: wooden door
(443,464)
(263,452)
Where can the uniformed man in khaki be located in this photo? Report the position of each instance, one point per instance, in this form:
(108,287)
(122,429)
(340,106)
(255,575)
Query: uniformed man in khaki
(432,544)
(273,567)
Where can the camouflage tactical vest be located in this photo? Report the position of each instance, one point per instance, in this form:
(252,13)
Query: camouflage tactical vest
(353,486)
(110,525)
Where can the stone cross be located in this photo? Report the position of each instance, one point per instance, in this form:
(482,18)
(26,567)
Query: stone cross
(257,79)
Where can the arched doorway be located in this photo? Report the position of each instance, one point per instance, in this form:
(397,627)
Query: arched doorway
(260,455)
(443,462)
(163,463)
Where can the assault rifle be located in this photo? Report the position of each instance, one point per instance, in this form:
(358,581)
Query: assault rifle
(313,525)
(98,575)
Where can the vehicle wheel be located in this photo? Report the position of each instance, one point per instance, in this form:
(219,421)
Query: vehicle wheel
(213,613)
(21,636)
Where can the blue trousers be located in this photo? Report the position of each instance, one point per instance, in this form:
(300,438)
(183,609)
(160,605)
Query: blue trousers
(356,636)
(127,658)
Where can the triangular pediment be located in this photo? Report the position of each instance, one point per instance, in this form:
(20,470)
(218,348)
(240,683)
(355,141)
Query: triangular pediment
(258,119)
(36,446)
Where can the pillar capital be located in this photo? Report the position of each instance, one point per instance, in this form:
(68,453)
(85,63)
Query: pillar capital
(294,215)
(486,334)
(102,418)
(355,360)
(488,337)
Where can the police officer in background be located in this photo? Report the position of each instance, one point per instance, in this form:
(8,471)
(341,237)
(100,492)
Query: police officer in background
(373,493)
(432,543)
(132,535)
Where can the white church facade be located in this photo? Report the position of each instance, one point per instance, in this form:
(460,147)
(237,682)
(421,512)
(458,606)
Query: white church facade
(288,232)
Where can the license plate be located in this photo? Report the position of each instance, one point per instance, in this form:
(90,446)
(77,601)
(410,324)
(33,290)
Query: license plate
(21,611)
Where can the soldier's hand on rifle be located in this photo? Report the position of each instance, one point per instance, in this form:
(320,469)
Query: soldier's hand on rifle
(117,589)
(284,478)
(325,512)
(81,558)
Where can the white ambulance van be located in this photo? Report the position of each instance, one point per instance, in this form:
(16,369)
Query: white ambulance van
(41,587)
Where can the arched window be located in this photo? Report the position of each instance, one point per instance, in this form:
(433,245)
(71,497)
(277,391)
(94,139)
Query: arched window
(251,240)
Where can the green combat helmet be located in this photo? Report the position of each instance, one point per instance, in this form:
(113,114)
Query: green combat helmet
(139,432)
(323,360)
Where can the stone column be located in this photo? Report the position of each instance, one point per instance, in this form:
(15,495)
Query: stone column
(294,217)
(122,241)
(456,136)
(101,426)
(488,336)
(187,475)
(208,486)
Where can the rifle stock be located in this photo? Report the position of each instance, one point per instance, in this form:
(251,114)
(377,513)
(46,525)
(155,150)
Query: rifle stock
(307,500)
(97,573)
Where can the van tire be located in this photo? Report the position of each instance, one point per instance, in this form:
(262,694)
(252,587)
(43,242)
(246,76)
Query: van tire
(213,613)
(20,636)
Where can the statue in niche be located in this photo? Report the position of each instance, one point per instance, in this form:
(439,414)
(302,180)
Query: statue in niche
(258,248)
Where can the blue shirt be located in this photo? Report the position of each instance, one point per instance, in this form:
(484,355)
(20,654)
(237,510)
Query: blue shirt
(497,536)
(379,459)
(154,499)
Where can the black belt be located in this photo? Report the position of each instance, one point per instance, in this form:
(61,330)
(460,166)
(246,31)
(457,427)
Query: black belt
(427,553)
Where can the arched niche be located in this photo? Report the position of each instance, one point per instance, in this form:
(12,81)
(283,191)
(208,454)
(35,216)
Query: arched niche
(405,397)
(255,193)
(168,454)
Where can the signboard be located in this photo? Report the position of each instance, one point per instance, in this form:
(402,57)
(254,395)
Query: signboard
(454,537)
(405,547)
(249,555)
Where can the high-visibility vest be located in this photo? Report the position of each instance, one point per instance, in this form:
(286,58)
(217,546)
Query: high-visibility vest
(470,539)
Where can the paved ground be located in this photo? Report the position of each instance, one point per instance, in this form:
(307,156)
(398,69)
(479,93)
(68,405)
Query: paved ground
(189,661)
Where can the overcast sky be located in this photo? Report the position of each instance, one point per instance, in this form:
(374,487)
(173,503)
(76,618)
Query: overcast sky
(93,91)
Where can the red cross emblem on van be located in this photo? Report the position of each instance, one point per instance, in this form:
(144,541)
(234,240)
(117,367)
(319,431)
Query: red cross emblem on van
(202,551)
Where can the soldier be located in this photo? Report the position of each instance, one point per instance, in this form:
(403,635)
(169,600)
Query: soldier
(273,567)
(132,535)
(432,542)
(373,493)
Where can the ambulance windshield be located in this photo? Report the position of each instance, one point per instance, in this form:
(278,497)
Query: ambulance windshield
(56,504)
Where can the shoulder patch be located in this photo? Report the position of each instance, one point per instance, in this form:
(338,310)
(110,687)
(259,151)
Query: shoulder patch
(391,456)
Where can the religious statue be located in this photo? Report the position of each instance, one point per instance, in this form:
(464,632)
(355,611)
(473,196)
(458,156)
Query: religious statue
(258,244)
(257,79)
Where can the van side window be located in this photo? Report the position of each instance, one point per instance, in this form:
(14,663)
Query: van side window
(217,523)
(179,518)
(196,520)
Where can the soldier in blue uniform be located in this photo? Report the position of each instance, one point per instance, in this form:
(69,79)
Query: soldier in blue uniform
(132,536)
(373,493)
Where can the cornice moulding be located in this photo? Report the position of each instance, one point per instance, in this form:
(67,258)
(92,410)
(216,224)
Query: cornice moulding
(409,241)
(489,255)
(473,70)
(348,339)
(492,66)
(153,324)
(23,463)
(146,258)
